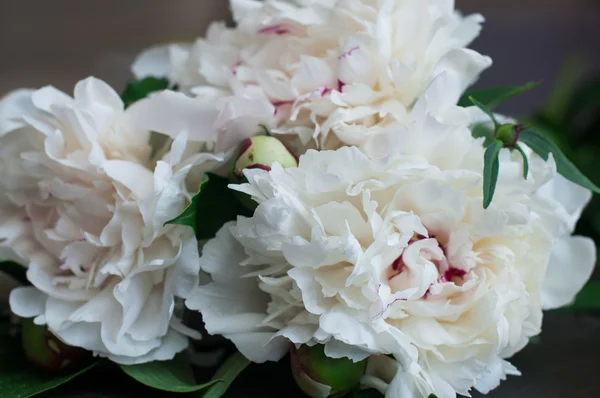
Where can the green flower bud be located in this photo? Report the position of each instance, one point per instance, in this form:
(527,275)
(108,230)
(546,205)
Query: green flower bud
(258,152)
(317,375)
(509,134)
(46,351)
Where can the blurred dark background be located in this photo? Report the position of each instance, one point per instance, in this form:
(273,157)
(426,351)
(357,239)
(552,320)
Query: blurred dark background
(62,41)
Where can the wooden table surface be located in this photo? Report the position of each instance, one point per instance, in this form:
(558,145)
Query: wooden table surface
(61,41)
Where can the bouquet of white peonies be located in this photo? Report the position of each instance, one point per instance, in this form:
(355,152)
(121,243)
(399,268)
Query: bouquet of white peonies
(314,183)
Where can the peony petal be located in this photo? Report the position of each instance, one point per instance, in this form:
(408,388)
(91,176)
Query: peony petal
(152,62)
(170,113)
(27,302)
(12,107)
(571,264)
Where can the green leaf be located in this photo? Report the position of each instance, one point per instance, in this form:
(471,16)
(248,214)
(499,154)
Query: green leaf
(173,376)
(494,97)
(588,298)
(486,110)
(228,372)
(543,147)
(525,161)
(483,130)
(491,167)
(567,83)
(432,396)
(140,89)
(16,271)
(19,379)
(213,205)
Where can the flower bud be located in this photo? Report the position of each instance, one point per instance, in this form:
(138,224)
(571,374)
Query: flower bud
(46,351)
(509,134)
(317,375)
(259,152)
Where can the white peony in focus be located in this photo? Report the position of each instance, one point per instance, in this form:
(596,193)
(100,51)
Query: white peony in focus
(83,204)
(326,67)
(396,255)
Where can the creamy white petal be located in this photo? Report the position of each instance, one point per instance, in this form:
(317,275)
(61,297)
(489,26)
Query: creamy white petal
(571,264)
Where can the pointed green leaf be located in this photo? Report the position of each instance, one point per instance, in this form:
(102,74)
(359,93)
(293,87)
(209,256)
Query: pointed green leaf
(16,271)
(491,167)
(483,130)
(494,97)
(486,110)
(543,147)
(173,376)
(213,205)
(228,372)
(525,161)
(18,379)
(140,89)
(432,396)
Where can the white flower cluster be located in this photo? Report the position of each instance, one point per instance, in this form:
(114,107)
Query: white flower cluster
(83,206)
(376,245)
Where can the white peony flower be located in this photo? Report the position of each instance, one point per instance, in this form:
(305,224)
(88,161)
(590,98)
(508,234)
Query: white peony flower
(83,205)
(396,255)
(327,66)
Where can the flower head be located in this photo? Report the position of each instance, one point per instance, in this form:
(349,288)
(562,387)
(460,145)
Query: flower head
(84,206)
(395,255)
(330,69)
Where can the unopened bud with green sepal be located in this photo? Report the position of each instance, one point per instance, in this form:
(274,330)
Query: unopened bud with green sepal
(259,152)
(509,134)
(45,351)
(318,375)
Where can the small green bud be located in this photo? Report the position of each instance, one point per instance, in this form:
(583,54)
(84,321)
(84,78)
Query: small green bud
(46,351)
(508,134)
(317,375)
(258,152)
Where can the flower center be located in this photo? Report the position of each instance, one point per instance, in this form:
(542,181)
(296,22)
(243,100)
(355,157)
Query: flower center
(423,263)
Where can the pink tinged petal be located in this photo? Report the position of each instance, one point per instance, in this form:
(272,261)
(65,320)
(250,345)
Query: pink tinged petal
(27,302)
(571,264)
(277,29)
(152,62)
(170,113)
(356,64)
(313,74)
